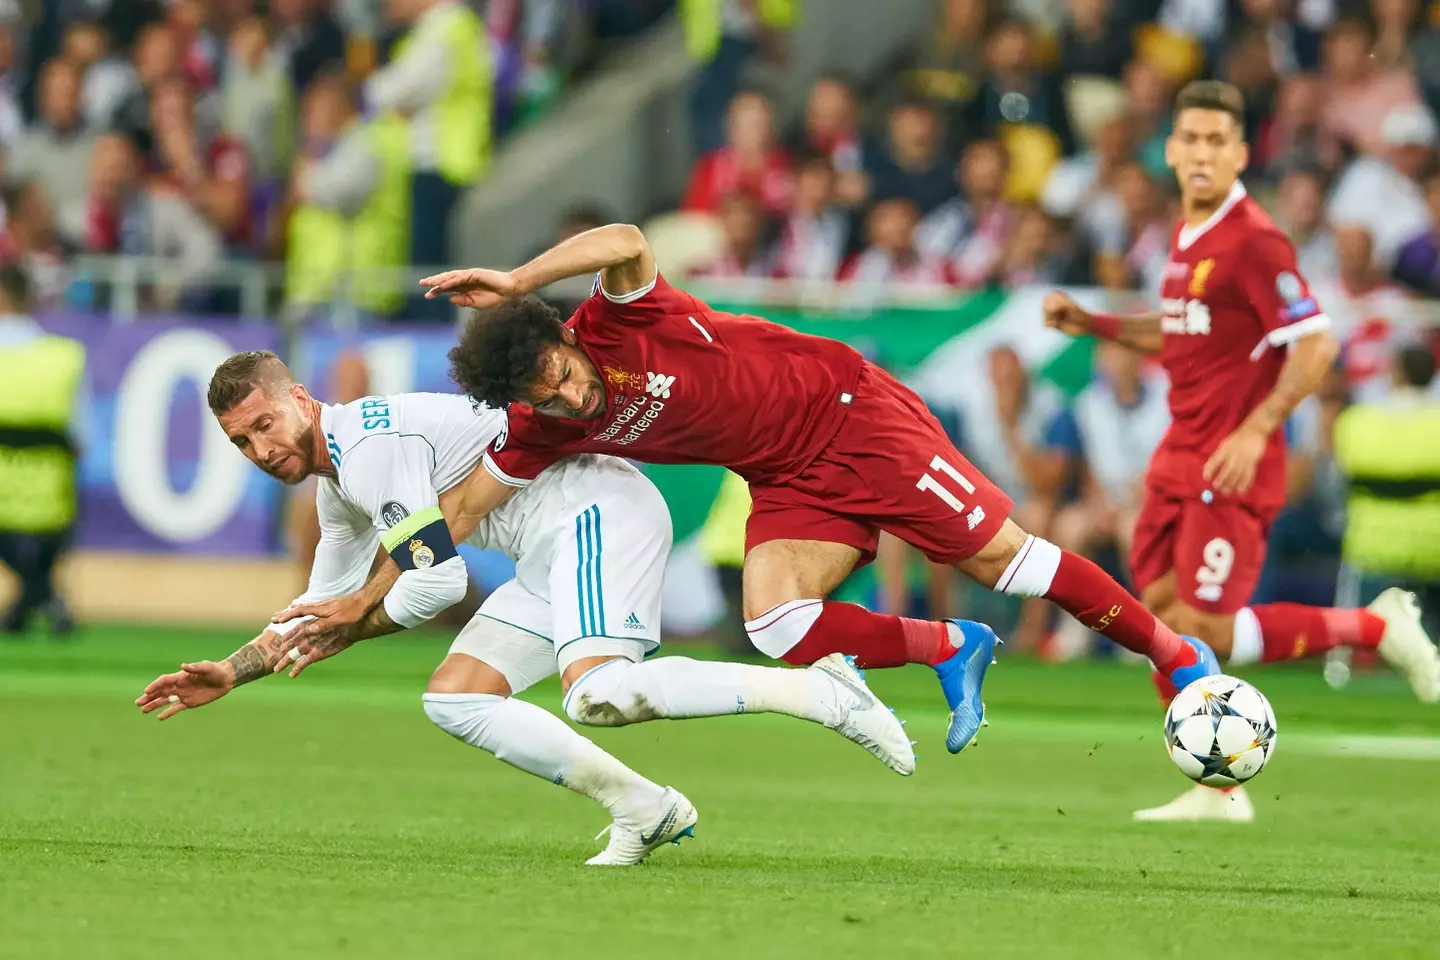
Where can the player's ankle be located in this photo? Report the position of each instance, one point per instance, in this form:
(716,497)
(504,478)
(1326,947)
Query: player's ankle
(930,642)
(1185,656)
(1372,629)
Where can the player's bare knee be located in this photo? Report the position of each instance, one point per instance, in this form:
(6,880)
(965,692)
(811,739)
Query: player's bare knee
(1213,628)
(462,694)
(781,571)
(1216,629)
(1159,597)
(599,695)
(989,565)
(459,673)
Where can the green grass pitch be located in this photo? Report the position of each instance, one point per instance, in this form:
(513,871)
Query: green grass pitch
(325,817)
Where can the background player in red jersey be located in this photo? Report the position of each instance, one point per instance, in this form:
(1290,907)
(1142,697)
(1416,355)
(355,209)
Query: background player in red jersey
(833,448)
(1243,342)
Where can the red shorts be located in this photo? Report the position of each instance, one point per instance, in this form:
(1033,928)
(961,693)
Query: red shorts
(1215,549)
(890,468)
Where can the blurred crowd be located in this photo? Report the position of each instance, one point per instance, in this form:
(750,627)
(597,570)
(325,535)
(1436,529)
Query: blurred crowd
(1021,142)
(196,130)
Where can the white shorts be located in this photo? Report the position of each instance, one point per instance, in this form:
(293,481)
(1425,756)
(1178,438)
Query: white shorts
(596,592)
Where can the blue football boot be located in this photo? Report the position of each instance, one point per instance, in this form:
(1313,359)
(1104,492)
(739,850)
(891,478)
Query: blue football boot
(1205,665)
(961,677)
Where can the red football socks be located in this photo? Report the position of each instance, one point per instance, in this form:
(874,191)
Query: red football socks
(1092,596)
(873,639)
(1291,631)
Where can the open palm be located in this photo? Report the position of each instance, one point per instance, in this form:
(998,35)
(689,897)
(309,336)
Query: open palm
(194,685)
(477,287)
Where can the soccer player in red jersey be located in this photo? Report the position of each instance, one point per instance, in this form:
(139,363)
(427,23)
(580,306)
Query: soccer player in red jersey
(1243,342)
(833,448)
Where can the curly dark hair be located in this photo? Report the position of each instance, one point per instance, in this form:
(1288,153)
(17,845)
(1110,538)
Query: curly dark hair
(499,352)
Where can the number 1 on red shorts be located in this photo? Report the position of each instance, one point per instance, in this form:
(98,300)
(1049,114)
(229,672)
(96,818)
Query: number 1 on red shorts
(929,482)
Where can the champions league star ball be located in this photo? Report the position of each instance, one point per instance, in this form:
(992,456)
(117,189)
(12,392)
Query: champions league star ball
(1220,731)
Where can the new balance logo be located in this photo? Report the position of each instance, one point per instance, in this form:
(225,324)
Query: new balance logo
(632,622)
(658,385)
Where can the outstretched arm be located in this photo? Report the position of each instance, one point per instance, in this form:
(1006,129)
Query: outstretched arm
(342,558)
(371,611)
(205,681)
(1140,333)
(619,252)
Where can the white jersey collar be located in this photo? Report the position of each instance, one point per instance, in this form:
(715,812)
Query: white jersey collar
(1189,234)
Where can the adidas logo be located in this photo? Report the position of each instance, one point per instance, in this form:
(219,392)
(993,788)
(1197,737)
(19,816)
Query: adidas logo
(632,622)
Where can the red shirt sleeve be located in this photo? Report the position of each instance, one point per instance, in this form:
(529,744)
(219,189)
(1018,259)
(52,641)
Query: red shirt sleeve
(522,450)
(645,306)
(1271,282)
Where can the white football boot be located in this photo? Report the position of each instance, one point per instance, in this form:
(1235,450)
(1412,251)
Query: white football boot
(863,718)
(632,840)
(1405,645)
(1203,803)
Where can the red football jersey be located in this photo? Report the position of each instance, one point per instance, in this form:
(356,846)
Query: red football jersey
(687,384)
(1232,298)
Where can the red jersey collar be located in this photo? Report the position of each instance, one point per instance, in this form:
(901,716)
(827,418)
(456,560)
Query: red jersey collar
(1188,235)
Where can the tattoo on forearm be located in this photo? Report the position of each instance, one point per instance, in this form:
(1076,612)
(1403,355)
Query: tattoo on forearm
(377,623)
(249,664)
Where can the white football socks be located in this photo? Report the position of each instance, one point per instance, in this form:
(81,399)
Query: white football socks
(538,742)
(675,688)
(1246,643)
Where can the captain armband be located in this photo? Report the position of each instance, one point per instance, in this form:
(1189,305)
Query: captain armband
(420,541)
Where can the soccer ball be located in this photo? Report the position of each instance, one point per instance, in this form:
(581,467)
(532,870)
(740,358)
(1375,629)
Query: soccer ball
(1220,731)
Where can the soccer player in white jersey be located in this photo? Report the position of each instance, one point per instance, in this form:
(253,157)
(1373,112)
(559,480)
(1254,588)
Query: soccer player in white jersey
(590,539)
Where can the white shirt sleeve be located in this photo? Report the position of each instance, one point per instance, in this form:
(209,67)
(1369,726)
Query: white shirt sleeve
(389,477)
(344,555)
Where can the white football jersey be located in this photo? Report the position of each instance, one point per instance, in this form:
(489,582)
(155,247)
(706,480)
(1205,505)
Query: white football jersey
(394,456)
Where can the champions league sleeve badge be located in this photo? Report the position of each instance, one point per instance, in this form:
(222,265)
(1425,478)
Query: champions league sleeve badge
(1289,287)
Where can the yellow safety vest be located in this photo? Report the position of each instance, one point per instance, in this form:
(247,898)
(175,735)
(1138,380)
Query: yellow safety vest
(701,20)
(462,116)
(37,457)
(327,251)
(1391,457)
(722,538)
